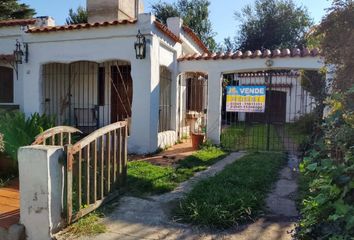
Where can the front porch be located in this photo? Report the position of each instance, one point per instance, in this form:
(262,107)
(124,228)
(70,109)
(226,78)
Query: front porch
(87,95)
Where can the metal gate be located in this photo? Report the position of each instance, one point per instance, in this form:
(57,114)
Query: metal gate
(285,102)
(94,167)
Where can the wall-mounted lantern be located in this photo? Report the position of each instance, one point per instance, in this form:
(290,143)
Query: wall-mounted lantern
(18,55)
(140,46)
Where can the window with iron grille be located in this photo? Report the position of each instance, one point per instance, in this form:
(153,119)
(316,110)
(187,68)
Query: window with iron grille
(165,100)
(6,85)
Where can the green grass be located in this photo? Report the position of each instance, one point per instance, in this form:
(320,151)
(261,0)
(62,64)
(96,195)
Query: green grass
(234,196)
(145,178)
(88,226)
(250,137)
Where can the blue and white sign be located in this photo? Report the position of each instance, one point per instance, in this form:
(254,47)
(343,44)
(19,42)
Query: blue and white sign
(246,99)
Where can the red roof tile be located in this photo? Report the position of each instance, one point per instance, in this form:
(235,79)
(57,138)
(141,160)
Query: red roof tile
(195,38)
(17,22)
(79,26)
(167,31)
(7,57)
(256,54)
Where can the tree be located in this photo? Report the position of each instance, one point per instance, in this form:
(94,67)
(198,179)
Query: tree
(271,24)
(80,16)
(11,9)
(337,29)
(195,14)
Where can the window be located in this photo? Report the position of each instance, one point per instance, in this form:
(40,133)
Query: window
(6,85)
(165,99)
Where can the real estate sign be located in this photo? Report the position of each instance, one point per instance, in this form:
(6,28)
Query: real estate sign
(246,99)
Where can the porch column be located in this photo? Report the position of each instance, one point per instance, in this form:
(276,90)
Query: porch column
(145,108)
(214,106)
(32,93)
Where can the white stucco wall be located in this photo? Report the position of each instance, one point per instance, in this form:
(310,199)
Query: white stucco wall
(8,37)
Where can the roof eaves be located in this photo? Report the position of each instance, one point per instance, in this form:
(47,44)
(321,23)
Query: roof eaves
(80,26)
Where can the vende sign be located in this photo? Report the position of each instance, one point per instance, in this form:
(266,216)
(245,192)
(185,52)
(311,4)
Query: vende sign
(246,99)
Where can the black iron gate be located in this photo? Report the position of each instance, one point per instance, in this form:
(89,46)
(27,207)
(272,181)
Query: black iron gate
(274,129)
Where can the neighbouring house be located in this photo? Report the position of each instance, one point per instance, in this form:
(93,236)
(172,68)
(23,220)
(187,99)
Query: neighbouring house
(90,75)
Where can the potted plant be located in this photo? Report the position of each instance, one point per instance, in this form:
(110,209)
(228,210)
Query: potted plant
(198,135)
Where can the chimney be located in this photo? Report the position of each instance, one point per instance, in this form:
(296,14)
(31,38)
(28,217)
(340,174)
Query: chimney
(175,25)
(112,10)
(45,21)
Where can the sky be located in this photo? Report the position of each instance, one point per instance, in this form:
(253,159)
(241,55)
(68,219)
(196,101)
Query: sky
(221,11)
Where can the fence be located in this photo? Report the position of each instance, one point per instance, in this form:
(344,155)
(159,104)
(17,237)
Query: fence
(273,129)
(95,166)
(61,136)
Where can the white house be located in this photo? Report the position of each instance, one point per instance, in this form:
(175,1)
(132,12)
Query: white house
(89,75)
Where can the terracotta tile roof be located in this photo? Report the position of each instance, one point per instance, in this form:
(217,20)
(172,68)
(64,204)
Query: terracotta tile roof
(263,74)
(195,38)
(7,57)
(17,22)
(256,54)
(274,85)
(167,31)
(79,26)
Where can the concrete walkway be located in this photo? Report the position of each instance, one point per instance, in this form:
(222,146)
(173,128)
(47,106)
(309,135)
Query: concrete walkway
(150,218)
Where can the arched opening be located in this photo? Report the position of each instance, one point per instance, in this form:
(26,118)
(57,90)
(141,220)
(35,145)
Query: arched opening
(193,96)
(87,95)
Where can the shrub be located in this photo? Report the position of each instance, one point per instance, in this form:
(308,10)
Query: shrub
(20,131)
(305,123)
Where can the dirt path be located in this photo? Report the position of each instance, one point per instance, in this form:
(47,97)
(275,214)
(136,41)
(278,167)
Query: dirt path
(149,218)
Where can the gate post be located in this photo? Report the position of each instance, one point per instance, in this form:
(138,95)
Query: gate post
(269,109)
(214,106)
(41,175)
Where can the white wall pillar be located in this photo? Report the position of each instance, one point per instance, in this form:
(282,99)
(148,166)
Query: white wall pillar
(32,91)
(41,190)
(145,108)
(214,106)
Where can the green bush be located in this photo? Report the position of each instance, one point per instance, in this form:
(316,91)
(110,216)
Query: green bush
(305,123)
(20,131)
(327,207)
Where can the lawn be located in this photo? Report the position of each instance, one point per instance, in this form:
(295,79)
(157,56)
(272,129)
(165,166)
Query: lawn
(145,178)
(234,196)
(250,137)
